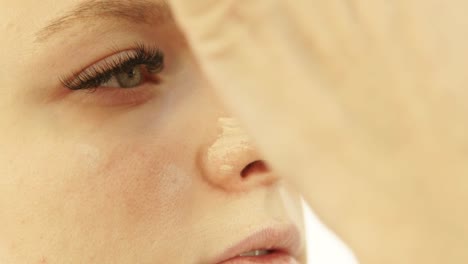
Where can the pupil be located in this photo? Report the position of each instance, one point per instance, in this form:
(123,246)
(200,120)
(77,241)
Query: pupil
(131,73)
(130,78)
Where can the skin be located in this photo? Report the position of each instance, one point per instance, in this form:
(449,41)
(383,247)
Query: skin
(106,178)
(372,117)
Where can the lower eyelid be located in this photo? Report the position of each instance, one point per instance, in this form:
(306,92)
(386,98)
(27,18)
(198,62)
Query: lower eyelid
(108,97)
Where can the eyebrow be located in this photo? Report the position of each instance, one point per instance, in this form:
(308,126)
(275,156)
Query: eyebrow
(133,11)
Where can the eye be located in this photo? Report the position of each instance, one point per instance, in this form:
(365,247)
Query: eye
(126,69)
(127,77)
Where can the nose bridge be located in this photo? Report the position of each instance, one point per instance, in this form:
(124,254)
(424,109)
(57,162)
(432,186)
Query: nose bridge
(230,161)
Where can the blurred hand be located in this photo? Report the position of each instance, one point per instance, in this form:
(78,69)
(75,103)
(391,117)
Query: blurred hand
(360,104)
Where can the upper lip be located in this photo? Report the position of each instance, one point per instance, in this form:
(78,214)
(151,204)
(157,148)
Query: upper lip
(285,239)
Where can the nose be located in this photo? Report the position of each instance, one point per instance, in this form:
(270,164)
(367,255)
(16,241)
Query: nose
(231,162)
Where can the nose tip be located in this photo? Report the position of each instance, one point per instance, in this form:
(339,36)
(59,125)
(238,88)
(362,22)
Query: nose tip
(231,162)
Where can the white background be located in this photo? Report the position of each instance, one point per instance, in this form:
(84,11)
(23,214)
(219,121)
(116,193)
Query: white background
(323,246)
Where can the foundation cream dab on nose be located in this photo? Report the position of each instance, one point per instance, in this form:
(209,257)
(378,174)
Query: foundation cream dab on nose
(231,139)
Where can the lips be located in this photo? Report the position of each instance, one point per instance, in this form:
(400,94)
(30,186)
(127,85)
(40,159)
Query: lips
(275,258)
(283,244)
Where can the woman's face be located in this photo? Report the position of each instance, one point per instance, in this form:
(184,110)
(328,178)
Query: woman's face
(157,172)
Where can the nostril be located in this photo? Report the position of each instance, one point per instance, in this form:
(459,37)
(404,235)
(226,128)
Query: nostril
(258,166)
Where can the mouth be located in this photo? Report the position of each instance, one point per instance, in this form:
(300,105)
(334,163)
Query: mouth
(275,245)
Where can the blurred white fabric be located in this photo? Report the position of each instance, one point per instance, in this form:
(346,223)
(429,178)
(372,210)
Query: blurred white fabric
(323,246)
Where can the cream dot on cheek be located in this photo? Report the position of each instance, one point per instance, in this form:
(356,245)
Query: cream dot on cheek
(145,181)
(175,180)
(90,155)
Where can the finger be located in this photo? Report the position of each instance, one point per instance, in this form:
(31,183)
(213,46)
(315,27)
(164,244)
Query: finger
(241,43)
(266,65)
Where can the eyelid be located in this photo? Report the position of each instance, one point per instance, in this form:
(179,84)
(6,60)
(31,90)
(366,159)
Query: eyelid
(101,71)
(112,97)
(112,60)
(95,93)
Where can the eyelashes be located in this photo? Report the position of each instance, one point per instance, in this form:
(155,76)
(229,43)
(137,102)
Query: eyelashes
(147,59)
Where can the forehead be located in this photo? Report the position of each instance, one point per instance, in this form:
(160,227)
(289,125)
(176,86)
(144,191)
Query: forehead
(26,19)
(25,24)
(20,20)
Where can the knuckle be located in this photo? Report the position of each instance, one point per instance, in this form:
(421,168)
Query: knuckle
(223,25)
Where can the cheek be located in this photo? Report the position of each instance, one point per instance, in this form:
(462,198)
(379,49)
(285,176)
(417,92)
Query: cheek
(105,197)
(144,181)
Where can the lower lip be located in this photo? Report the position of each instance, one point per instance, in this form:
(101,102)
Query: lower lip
(274,258)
